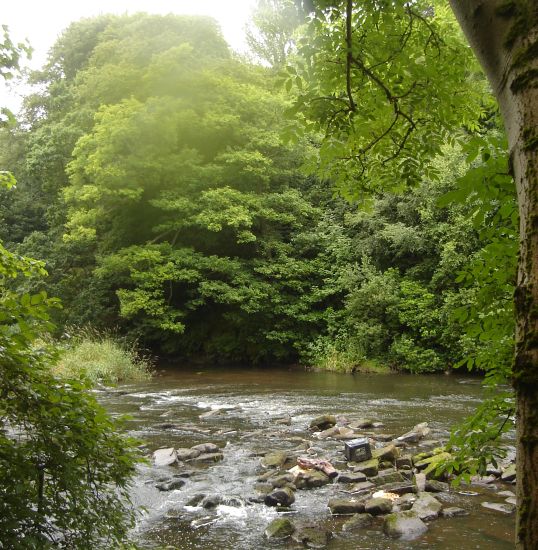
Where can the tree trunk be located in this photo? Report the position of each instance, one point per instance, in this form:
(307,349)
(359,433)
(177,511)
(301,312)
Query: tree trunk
(504,36)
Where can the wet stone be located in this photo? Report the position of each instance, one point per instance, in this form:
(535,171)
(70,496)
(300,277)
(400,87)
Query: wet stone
(207,458)
(404,525)
(503,507)
(404,462)
(369,468)
(171,485)
(362,487)
(362,423)
(342,506)
(357,522)
(311,537)
(351,477)
(426,507)
(310,479)
(378,506)
(434,486)
(212,501)
(388,453)
(276,459)
(323,422)
(206,448)
(187,454)
(279,528)
(386,477)
(283,496)
(400,488)
(195,500)
(281,480)
(453,512)
(164,457)
(405,501)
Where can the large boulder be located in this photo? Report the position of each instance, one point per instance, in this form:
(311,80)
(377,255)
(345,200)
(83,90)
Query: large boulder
(426,506)
(346,506)
(279,528)
(164,457)
(404,525)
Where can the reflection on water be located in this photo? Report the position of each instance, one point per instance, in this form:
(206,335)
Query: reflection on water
(244,406)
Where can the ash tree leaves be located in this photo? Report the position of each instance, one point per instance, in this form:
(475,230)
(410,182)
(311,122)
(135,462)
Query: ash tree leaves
(385,88)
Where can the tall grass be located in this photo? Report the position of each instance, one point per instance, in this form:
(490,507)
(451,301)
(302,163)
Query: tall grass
(102,359)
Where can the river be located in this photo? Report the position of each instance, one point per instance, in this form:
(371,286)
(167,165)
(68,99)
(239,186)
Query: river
(246,404)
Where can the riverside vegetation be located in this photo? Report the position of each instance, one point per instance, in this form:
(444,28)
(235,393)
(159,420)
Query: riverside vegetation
(185,196)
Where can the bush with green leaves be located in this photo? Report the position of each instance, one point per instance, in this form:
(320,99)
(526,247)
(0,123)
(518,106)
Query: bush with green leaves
(65,467)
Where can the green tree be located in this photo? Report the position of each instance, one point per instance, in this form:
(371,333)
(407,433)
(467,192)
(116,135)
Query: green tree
(64,466)
(414,69)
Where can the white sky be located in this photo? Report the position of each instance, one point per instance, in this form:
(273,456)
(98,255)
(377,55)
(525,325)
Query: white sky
(42,21)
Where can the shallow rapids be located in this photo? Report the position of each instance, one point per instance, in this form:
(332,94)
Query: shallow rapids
(245,412)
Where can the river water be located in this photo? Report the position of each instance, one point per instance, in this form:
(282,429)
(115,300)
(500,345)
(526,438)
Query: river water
(246,404)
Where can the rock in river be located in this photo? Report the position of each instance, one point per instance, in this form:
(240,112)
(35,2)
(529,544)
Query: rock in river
(207,458)
(279,528)
(282,496)
(277,459)
(426,507)
(311,537)
(323,422)
(405,525)
(184,453)
(346,506)
(378,506)
(389,453)
(369,467)
(308,479)
(357,522)
(351,477)
(503,507)
(171,485)
(164,457)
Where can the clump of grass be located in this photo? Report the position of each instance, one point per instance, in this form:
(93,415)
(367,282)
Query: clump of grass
(102,359)
(346,363)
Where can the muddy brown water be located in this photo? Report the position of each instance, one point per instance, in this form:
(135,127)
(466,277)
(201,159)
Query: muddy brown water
(165,412)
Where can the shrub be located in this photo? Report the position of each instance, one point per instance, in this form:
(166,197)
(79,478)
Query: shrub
(102,359)
(65,467)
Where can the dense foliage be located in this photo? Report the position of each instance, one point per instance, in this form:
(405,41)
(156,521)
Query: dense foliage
(64,465)
(154,182)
